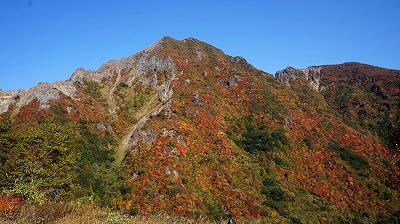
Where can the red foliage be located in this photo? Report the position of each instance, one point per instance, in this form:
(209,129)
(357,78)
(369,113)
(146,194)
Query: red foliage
(9,205)
(181,149)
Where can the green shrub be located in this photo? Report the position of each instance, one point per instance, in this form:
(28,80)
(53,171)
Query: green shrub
(171,145)
(139,99)
(275,194)
(276,198)
(393,219)
(151,191)
(271,105)
(295,220)
(133,211)
(123,85)
(307,141)
(280,162)
(393,135)
(380,189)
(141,171)
(270,182)
(214,211)
(257,138)
(92,88)
(56,159)
(56,109)
(37,160)
(213,112)
(175,189)
(387,163)
(356,161)
(98,175)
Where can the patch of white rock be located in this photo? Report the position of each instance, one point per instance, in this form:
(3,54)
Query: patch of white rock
(43,92)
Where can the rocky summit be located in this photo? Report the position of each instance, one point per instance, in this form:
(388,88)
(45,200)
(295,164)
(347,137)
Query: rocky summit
(184,130)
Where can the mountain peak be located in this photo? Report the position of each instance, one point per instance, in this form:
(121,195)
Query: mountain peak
(196,130)
(158,44)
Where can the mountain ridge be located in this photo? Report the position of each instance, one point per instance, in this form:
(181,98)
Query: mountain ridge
(114,64)
(196,132)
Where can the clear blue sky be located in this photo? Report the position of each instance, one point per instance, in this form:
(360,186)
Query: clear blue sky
(46,40)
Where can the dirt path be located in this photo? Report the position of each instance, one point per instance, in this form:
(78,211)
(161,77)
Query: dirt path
(152,111)
(135,129)
(110,98)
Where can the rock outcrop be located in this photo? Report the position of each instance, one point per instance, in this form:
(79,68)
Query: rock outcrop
(134,67)
(311,74)
(43,92)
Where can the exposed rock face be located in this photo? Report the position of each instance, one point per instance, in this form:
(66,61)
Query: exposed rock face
(5,105)
(6,100)
(146,136)
(43,92)
(141,63)
(146,69)
(146,63)
(231,83)
(238,59)
(311,74)
(288,74)
(136,134)
(196,98)
(288,122)
(167,171)
(233,80)
(136,66)
(165,132)
(81,75)
(101,126)
(199,55)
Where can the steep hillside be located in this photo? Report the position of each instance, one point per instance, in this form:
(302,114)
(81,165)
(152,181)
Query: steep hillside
(183,129)
(366,97)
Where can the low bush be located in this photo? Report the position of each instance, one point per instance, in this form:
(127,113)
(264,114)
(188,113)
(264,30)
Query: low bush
(280,162)
(380,189)
(37,162)
(394,218)
(356,161)
(123,85)
(275,194)
(133,211)
(258,138)
(92,88)
(56,159)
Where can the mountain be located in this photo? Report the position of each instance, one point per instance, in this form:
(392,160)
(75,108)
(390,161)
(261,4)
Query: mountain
(366,97)
(183,129)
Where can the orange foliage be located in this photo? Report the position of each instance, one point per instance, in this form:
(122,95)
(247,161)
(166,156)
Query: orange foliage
(9,205)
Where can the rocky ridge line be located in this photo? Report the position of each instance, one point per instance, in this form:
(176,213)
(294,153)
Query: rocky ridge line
(140,63)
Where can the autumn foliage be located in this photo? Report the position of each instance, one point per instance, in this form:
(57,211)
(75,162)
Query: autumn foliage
(232,143)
